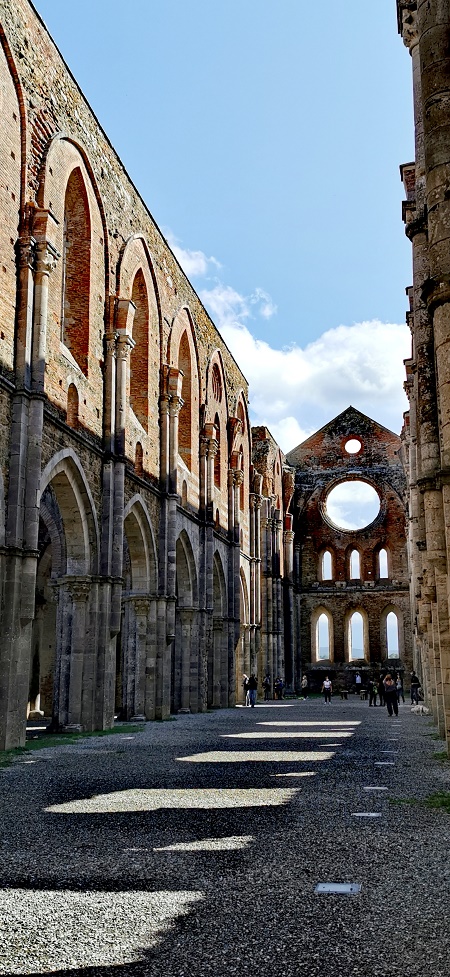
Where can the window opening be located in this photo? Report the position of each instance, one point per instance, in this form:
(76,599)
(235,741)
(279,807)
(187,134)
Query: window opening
(355,565)
(356,636)
(383,564)
(327,566)
(323,638)
(392,635)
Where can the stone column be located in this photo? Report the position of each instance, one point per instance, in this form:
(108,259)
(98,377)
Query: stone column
(288,581)
(141,612)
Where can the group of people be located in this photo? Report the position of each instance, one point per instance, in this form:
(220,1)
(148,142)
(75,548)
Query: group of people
(250,686)
(388,687)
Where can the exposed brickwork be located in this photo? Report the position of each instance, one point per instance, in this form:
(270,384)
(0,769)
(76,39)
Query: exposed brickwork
(10,160)
(322,462)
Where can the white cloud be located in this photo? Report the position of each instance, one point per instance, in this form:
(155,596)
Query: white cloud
(295,391)
(195,264)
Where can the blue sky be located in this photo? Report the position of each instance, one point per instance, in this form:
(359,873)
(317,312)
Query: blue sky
(265,138)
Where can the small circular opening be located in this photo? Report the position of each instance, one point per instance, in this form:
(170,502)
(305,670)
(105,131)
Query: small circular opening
(352,446)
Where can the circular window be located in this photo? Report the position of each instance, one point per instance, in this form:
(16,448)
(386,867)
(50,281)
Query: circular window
(352,505)
(352,446)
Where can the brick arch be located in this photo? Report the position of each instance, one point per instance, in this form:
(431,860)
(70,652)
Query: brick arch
(217,410)
(220,605)
(241,448)
(354,547)
(183,355)
(136,255)
(22,117)
(51,518)
(64,473)
(12,168)
(321,555)
(76,270)
(141,546)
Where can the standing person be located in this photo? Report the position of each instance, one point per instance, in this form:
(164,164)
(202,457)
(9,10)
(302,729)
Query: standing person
(415,685)
(399,687)
(279,687)
(381,690)
(245,688)
(390,695)
(358,683)
(266,687)
(327,690)
(373,692)
(305,686)
(252,689)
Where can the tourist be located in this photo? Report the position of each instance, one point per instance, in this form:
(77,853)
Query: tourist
(390,695)
(245,688)
(278,687)
(381,690)
(327,690)
(358,681)
(373,692)
(252,689)
(399,686)
(415,686)
(266,687)
(305,686)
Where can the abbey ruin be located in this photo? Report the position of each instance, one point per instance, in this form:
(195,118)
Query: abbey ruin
(153,547)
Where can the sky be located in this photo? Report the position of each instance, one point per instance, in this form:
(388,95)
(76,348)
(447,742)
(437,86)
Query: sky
(265,137)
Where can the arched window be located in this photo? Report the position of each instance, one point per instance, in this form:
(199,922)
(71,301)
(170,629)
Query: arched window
(392,635)
(184,494)
(139,355)
(139,459)
(76,270)
(241,416)
(72,406)
(383,570)
(217,455)
(355,565)
(327,566)
(217,519)
(185,415)
(323,638)
(216,383)
(242,486)
(356,636)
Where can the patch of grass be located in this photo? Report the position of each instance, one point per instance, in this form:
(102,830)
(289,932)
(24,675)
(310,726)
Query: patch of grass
(442,756)
(403,800)
(441,799)
(61,739)
(435,736)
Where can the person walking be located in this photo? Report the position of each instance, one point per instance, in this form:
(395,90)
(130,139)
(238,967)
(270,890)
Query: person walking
(327,690)
(305,686)
(390,695)
(252,689)
(266,687)
(415,686)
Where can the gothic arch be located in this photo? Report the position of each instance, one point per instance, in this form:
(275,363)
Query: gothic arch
(349,623)
(318,613)
(14,75)
(183,355)
(141,546)
(65,474)
(187,586)
(384,643)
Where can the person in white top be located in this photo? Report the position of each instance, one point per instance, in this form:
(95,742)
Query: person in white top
(327,689)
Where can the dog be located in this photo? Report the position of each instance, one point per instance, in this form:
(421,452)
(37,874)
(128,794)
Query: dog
(420,710)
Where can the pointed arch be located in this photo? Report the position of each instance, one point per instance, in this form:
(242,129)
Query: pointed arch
(382,569)
(392,637)
(66,476)
(76,269)
(354,564)
(140,538)
(186,572)
(326,565)
(139,380)
(245,613)
(322,634)
(356,634)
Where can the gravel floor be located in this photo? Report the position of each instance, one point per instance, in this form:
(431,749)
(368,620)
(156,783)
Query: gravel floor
(194,848)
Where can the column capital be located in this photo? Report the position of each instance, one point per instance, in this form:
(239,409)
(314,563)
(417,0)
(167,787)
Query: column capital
(175,405)
(25,252)
(124,345)
(79,588)
(111,343)
(141,605)
(238,476)
(407,22)
(289,536)
(213,447)
(46,257)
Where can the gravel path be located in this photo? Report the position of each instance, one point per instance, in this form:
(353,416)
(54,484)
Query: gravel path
(194,848)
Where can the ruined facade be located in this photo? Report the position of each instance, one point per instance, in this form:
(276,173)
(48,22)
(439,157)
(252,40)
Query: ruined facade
(351,584)
(425,28)
(131,517)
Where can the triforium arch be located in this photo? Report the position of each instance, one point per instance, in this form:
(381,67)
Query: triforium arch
(322,635)
(218,649)
(183,356)
(326,567)
(240,451)
(188,679)
(137,291)
(135,691)
(78,283)
(68,546)
(216,413)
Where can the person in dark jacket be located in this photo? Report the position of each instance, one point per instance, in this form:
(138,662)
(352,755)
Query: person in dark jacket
(390,695)
(415,686)
(252,689)
(381,690)
(373,692)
